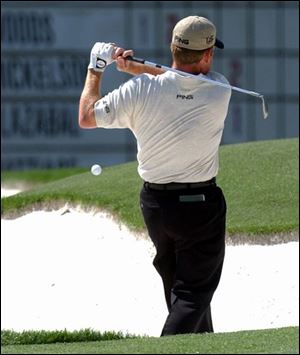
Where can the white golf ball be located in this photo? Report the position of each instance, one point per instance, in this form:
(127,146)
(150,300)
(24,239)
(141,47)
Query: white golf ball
(96,169)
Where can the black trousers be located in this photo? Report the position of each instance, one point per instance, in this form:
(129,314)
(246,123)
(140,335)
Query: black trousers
(188,231)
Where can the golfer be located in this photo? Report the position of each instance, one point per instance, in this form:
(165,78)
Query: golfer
(178,122)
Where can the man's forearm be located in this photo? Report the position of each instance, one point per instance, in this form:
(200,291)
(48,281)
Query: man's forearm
(90,94)
(142,68)
(134,68)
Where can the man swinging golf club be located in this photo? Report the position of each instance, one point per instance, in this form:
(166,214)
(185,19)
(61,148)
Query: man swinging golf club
(178,122)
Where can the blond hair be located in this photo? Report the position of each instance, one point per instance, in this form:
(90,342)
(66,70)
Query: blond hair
(186,56)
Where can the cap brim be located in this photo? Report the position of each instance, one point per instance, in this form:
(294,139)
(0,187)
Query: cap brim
(219,44)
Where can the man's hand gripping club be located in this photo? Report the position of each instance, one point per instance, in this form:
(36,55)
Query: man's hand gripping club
(103,54)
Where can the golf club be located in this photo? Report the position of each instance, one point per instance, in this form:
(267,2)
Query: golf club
(203,78)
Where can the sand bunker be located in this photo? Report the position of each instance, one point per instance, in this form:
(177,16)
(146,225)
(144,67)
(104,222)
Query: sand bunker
(74,270)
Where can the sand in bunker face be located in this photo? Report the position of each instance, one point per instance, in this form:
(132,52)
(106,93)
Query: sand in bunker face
(74,270)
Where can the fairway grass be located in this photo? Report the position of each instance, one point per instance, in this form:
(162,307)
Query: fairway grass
(260,181)
(271,341)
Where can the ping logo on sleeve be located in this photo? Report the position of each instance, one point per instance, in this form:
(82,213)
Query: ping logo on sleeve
(106,107)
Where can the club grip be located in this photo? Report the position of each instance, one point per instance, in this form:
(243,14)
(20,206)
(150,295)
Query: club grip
(135,59)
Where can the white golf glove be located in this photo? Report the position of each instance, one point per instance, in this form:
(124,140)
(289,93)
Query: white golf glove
(101,56)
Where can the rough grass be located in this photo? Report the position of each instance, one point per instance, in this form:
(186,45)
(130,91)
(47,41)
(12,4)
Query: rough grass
(26,337)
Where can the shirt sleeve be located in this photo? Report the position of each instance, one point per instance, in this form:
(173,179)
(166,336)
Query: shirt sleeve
(116,109)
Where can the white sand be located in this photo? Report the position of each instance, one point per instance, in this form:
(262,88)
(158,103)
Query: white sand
(9,192)
(74,270)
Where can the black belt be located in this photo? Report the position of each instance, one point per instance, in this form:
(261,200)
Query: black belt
(179,185)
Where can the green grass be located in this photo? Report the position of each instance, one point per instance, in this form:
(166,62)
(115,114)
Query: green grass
(38,176)
(260,181)
(271,341)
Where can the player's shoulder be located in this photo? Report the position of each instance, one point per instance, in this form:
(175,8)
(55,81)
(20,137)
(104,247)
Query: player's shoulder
(141,79)
(145,77)
(146,80)
(213,75)
(136,82)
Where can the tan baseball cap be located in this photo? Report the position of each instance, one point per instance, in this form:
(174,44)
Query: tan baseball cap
(195,32)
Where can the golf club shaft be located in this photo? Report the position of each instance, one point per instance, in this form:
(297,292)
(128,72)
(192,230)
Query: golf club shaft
(203,78)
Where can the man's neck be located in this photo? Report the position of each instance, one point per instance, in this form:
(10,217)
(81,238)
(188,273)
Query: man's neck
(191,68)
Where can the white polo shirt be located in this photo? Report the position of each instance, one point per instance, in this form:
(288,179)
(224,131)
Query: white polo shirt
(177,120)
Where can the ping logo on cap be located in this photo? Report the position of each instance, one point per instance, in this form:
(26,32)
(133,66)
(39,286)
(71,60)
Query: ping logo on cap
(181,40)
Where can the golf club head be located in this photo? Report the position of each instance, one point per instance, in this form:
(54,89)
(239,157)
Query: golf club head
(264,107)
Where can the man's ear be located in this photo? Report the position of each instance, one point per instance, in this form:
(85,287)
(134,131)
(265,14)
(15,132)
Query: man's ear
(208,54)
